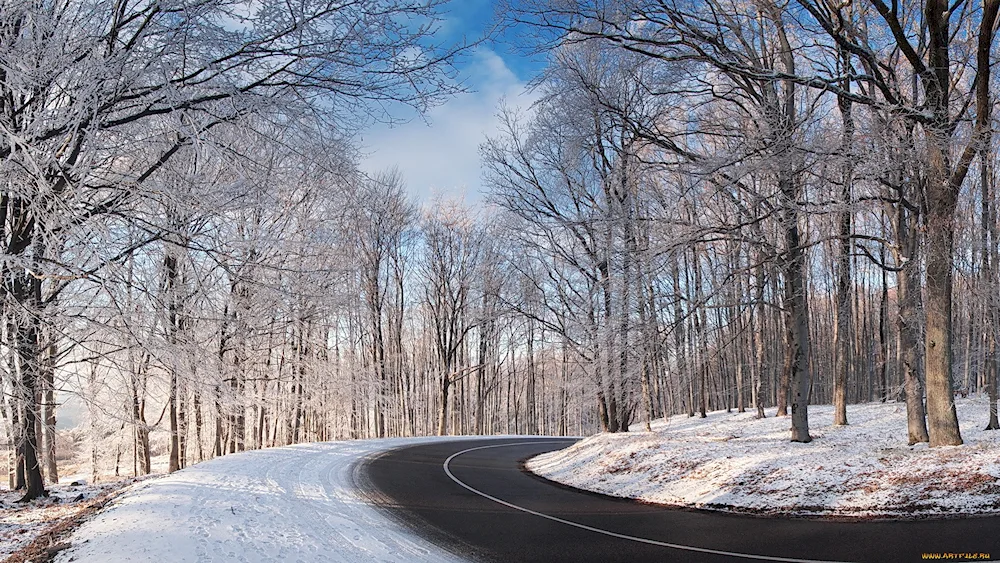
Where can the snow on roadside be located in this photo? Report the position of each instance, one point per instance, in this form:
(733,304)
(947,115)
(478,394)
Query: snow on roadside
(735,462)
(22,523)
(296,504)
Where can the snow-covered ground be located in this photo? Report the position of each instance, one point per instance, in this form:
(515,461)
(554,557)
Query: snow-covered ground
(291,504)
(21,524)
(734,462)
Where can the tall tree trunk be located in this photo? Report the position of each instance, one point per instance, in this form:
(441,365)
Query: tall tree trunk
(198,423)
(990,257)
(484,334)
(182,426)
(531,414)
(908,293)
(991,254)
(175,451)
(883,337)
(594,337)
(649,337)
(173,328)
(841,335)
(24,330)
(699,329)
(29,355)
(796,301)
(943,187)
(564,384)
(49,413)
(942,420)
(612,377)
(757,335)
(141,430)
(445,388)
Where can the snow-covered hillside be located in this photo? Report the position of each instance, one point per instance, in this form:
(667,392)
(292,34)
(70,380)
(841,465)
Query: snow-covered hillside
(734,462)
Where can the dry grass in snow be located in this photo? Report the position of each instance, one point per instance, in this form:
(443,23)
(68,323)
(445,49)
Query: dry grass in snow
(737,463)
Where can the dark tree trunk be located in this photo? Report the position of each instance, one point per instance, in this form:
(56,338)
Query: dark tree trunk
(141,431)
(445,388)
(990,255)
(842,332)
(699,329)
(908,293)
(196,406)
(27,291)
(796,301)
(173,329)
(883,338)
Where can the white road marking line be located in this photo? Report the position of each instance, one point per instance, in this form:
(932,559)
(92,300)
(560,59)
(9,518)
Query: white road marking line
(447,470)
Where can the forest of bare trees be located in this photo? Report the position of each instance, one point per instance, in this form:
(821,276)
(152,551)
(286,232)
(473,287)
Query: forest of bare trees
(714,204)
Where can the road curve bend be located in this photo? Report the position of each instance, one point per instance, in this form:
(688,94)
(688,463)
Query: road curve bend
(473,498)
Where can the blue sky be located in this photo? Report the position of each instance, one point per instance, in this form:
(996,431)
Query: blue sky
(439,155)
(470,18)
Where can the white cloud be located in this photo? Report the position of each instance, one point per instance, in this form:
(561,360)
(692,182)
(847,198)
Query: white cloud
(441,155)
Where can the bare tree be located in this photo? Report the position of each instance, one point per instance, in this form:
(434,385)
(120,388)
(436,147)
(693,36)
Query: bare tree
(83,80)
(451,250)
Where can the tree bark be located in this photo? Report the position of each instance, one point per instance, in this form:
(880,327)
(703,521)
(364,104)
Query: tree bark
(841,335)
(908,293)
(757,334)
(942,420)
(27,291)
(796,302)
(27,349)
(49,414)
(990,256)
(445,388)
(173,329)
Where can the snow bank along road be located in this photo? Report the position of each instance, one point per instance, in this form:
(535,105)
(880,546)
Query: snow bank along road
(282,505)
(472,497)
(314,503)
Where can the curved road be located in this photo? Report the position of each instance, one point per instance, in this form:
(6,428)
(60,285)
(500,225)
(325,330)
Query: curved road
(471,497)
(294,504)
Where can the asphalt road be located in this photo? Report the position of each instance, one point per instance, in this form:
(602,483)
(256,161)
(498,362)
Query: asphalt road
(472,497)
